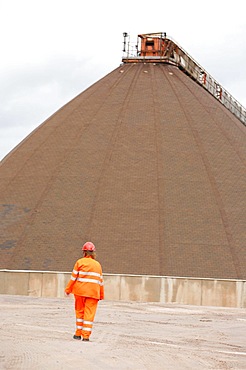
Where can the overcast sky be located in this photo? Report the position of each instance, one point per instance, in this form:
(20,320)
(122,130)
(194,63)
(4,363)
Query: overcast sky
(52,50)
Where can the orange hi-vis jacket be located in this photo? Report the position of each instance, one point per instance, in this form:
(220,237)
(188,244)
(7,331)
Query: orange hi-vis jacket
(86,279)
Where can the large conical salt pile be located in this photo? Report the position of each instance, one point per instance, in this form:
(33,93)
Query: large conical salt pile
(145,163)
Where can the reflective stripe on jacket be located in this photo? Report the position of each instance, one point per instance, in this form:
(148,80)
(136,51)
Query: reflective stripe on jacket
(86,279)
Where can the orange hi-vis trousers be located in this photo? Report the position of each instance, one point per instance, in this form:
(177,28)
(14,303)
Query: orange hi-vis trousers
(85,309)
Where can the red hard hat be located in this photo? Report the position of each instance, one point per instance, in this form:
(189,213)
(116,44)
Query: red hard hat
(88,246)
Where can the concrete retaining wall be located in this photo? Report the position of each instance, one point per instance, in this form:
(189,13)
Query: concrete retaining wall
(202,292)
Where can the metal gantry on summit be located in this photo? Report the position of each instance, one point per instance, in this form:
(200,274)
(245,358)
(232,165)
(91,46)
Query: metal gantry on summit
(158,48)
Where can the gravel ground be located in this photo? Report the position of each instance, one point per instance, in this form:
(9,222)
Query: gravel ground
(36,333)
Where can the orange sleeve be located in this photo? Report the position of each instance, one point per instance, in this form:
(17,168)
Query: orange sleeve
(73,278)
(101,292)
(101,287)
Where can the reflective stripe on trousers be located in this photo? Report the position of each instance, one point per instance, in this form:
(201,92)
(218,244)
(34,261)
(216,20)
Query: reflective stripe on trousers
(83,324)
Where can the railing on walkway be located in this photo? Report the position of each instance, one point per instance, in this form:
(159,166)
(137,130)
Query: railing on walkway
(157,48)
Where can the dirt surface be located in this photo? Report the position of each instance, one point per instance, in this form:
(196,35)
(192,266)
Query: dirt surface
(36,333)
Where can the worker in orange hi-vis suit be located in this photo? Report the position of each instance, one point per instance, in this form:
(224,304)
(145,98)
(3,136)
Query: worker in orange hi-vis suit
(86,284)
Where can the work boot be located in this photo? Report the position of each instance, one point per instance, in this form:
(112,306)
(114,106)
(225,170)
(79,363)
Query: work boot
(85,339)
(77,337)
